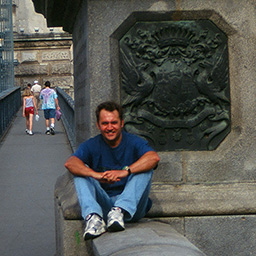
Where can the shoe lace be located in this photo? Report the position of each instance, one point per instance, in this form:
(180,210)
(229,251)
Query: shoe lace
(94,222)
(116,213)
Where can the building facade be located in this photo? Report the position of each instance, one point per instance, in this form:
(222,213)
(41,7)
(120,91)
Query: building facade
(41,53)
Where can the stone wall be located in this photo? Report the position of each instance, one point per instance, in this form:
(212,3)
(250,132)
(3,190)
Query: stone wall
(42,53)
(97,79)
(44,57)
(187,183)
(208,195)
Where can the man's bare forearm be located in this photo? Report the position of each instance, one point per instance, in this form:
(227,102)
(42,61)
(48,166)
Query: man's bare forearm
(147,162)
(78,168)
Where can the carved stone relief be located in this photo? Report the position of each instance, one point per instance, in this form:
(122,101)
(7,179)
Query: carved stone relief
(55,55)
(175,84)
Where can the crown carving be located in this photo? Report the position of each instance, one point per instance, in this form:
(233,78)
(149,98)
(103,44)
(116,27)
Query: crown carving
(173,36)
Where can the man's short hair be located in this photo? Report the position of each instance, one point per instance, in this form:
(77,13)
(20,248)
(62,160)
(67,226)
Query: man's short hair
(47,84)
(109,106)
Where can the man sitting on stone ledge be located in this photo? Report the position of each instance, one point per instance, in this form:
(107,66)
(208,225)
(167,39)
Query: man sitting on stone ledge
(112,174)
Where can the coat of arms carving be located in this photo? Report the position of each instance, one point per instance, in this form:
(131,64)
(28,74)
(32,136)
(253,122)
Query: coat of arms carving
(175,84)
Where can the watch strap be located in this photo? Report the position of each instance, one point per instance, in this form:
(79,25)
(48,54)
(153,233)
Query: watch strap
(127,168)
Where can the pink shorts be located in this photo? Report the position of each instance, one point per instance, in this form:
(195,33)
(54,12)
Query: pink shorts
(29,110)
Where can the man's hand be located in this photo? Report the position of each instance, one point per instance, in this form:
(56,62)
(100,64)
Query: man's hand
(113,176)
(99,176)
(78,168)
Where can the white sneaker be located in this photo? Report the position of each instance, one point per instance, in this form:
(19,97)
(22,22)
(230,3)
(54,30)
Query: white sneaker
(115,220)
(94,226)
(52,131)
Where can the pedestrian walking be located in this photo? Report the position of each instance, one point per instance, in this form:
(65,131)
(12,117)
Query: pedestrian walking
(29,107)
(49,105)
(36,89)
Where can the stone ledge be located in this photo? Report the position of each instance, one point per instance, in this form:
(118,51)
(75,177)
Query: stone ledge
(65,195)
(175,200)
(146,237)
(203,199)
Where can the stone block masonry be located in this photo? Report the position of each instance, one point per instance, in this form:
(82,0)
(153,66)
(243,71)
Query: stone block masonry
(44,58)
(211,192)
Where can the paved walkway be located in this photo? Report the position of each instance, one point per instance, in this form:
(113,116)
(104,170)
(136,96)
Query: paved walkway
(29,167)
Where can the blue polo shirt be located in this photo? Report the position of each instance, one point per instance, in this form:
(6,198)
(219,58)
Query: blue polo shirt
(99,156)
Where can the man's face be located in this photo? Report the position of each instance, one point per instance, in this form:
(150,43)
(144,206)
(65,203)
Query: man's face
(110,127)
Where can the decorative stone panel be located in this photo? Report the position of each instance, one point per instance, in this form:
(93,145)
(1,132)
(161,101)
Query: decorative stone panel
(55,55)
(175,84)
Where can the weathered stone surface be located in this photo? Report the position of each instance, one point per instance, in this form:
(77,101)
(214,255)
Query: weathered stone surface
(152,238)
(33,70)
(44,57)
(69,240)
(66,197)
(223,235)
(28,56)
(203,199)
(61,68)
(176,200)
(170,169)
(60,81)
(56,55)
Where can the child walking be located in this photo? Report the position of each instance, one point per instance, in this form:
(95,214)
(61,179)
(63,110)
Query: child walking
(28,109)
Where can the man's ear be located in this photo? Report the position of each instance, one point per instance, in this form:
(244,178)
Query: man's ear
(122,123)
(98,125)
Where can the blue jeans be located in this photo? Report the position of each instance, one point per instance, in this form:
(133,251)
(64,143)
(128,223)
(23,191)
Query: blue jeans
(134,198)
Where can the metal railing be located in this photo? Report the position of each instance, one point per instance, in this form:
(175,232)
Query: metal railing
(67,107)
(6,46)
(10,103)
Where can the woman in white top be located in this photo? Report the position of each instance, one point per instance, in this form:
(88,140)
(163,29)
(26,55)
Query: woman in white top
(28,109)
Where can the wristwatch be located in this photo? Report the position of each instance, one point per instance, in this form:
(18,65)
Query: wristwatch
(127,168)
